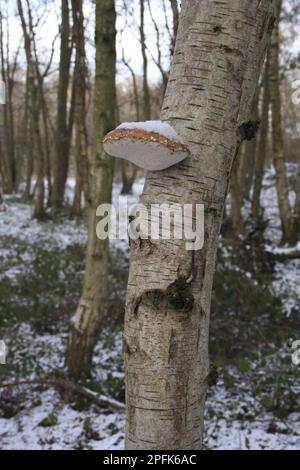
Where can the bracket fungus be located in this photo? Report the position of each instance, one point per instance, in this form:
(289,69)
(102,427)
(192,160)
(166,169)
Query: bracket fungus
(152,145)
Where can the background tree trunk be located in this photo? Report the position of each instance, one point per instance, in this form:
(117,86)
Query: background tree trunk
(61,158)
(277,134)
(7,150)
(246,166)
(218,57)
(129,173)
(34,113)
(146,92)
(86,323)
(175,15)
(261,148)
(80,76)
(236,193)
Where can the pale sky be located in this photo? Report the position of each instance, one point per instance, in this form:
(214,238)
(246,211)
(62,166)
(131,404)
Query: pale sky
(127,27)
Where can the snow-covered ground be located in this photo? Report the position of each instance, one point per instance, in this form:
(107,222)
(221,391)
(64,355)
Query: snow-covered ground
(35,416)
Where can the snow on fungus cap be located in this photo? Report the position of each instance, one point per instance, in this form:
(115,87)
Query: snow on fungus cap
(152,145)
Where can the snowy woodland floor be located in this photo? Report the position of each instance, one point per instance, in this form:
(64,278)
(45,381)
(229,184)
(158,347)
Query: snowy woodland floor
(256,402)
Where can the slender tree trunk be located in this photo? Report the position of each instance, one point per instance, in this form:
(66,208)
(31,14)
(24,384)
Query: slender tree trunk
(47,151)
(29,166)
(76,205)
(175,15)
(29,163)
(39,202)
(28,33)
(146,92)
(7,160)
(86,323)
(27,143)
(61,158)
(127,167)
(11,127)
(158,60)
(236,193)
(80,75)
(246,167)
(261,149)
(277,135)
(128,179)
(135,88)
(219,53)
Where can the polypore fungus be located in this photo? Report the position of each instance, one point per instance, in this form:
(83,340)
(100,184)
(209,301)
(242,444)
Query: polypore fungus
(152,145)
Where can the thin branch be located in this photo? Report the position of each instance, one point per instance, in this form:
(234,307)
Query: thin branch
(99,400)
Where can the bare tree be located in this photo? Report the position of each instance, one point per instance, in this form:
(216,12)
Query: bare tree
(61,160)
(261,148)
(34,110)
(80,85)
(158,61)
(277,134)
(86,323)
(8,149)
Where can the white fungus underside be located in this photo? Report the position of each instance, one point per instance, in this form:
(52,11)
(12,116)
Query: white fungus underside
(150,155)
(159,127)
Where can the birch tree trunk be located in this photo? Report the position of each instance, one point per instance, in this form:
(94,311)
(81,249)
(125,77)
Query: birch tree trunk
(218,57)
(277,134)
(86,322)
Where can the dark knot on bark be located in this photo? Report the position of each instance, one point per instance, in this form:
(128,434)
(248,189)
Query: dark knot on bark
(180,296)
(248,130)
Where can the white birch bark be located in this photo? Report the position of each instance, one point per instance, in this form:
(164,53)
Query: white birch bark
(219,53)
